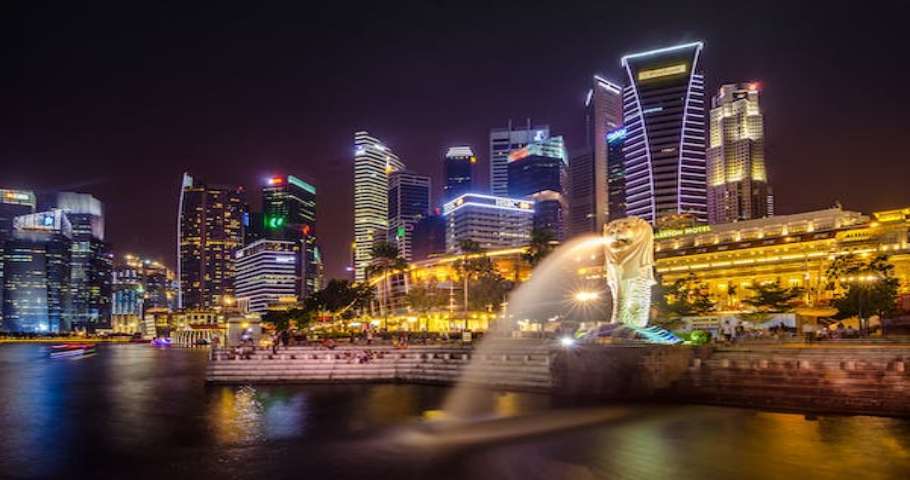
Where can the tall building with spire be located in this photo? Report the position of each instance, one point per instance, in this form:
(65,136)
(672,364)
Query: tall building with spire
(209,232)
(373,163)
(664,148)
(737,178)
(588,170)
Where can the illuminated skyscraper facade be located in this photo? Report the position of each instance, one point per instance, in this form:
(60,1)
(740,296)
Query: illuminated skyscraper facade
(664,149)
(373,163)
(492,222)
(538,172)
(92,262)
(588,183)
(616,174)
(13,203)
(409,201)
(267,271)
(504,141)
(209,232)
(36,281)
(737,179)
(459,166)
(289,214)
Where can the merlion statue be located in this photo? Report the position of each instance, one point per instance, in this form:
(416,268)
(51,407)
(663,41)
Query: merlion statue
(629,254)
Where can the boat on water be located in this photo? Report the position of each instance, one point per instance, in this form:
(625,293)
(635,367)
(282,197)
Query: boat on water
(71,350)
(161,342)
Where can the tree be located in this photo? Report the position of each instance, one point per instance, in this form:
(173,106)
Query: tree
(542,243)
(425,297)
(685,297)
(863,288)
(773,297)
(386,261)
(340,298)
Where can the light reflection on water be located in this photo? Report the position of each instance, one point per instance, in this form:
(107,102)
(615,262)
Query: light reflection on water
(136,412)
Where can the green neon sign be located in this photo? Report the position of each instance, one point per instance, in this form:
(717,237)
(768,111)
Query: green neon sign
(274,222)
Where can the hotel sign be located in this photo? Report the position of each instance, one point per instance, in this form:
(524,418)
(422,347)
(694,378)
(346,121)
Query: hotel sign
(675,232)
(662,72)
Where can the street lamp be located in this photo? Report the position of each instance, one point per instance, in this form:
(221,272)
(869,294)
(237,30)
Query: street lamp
(584,296)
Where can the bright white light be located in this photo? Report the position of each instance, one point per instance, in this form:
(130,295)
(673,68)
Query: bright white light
(567,342)
(585,296)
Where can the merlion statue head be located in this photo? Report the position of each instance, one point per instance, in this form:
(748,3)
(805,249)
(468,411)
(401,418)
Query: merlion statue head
(629,243)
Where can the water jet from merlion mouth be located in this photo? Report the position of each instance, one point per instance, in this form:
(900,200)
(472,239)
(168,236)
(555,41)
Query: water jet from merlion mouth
(550,295)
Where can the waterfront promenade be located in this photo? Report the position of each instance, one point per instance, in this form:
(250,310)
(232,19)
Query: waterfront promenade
(842,377)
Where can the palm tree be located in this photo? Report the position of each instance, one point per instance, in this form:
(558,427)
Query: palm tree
(386,261)
(542,243)
(469,267)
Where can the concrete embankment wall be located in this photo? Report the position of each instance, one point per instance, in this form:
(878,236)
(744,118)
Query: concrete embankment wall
(862,379)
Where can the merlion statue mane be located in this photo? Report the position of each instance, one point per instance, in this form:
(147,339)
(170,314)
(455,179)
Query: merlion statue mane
(629,258)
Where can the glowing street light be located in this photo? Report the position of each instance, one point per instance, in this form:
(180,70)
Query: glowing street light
(585,296)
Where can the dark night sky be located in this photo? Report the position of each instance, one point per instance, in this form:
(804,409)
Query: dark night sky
(119,100)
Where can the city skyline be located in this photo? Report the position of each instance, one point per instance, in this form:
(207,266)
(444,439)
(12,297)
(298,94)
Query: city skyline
(797,130)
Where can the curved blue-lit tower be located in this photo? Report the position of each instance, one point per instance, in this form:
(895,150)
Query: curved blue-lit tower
(664,149)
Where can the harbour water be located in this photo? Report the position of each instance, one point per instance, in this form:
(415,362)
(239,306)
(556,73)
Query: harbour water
(134,411)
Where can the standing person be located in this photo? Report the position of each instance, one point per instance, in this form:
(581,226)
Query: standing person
(285,338)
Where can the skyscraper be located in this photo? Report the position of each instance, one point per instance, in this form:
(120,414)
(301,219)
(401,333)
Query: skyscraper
(504,141)
(289,214)
(492,222)
(209,232)
(664,116)
(737,180)
(588,184)
(373,162)
(139,285)
(36,282)
(92,262)
(538,171)
(267,271)
(409,201)
(13,203)
(459,165)
(429,236)
(616,175)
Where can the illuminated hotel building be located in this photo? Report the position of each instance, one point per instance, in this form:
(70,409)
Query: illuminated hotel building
(409,201)
(209,232)
(492,222)
(664,117)
(504,141)
(588,183)
(289,214)
(267,272)
(36,276)
(538,172)
(737,179)
(616,175)
(459,166)
(373,162)
(794,250)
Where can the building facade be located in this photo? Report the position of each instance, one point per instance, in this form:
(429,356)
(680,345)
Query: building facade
(409,201)
(737,177)
(36,274)
(616,175)
(209,232)
(92,261)
(504,141)
(792,250)
(139,286)
(492,222)
(373,163)
(588,177)
(13,203)
(664,118)
(429,236)
(267,272)
(289,214)
(459,172)
(538,171)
